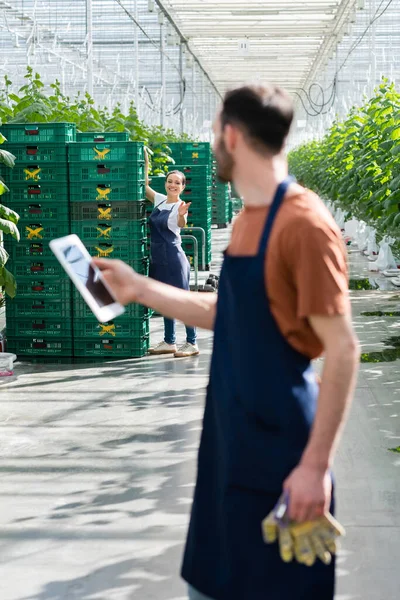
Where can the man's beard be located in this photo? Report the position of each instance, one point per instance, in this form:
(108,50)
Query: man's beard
(225,163)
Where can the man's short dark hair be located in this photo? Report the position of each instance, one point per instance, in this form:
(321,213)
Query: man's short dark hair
(263,113)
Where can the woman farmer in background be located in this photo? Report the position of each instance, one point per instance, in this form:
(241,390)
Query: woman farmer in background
(168,261)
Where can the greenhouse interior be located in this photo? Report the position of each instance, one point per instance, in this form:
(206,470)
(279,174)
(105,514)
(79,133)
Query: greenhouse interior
(199,299)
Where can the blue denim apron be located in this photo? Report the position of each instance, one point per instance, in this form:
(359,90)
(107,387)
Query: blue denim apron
(261,402)
(168,261)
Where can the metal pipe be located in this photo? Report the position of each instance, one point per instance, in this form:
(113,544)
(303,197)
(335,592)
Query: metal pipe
(89,46)
(136,42)
(203,244)
(202,102)
(195,258)
(194,107)
(181,118)
(163,82)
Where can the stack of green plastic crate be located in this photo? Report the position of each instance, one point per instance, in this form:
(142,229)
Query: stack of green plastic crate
(221,201)
(194,159)
(38,319)
(107,193)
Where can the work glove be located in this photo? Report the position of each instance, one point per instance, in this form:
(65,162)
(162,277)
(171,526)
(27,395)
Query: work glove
(302,541)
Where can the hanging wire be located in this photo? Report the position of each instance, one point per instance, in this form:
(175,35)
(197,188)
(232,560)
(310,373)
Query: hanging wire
(319,109)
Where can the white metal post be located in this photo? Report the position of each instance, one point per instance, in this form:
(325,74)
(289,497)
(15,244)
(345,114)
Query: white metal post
(194,107)
(136,43)
(202,101)
(182,92)
(372,48)
(210,95)
(163,81)
(89,46)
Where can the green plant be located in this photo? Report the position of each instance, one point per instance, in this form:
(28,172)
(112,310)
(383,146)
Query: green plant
(8,225)
(32,104)
(357,164)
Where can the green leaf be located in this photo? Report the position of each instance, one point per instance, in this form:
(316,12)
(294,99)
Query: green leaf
(7,281)
(10,228)
(3,256)
(3,188)
(7,158)
(14,98)
(2,138)
(8,214)
(395,135)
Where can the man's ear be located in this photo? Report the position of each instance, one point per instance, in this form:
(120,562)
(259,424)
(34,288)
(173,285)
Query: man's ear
(230,136)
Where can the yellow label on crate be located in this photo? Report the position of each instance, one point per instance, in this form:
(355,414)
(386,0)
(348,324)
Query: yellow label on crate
(104,213)
(107,329)
(32,174)
(104,232)
(101,154)
(195,155)
(104,253)
(103,193)
(33,234)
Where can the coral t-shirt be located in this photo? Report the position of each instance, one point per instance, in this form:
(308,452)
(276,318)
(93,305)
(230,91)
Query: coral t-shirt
(306,267)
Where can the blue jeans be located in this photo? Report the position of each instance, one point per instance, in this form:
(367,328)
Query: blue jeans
(169,332)
(195,595)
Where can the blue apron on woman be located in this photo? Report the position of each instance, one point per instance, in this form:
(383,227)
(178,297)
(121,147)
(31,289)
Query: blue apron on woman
(261,402)
(168,264)
(168,260)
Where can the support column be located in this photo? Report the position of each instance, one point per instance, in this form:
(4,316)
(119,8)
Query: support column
(181,117)
(194,99)
(202,101)
(163,80)
(136,60)
(210,112)
(89,46)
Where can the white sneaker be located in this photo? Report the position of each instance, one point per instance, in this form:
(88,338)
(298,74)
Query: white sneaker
(187,350)
(163,348)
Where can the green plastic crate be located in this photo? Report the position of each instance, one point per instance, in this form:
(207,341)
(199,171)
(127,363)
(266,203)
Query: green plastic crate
(195,174)
(38,153)
(157,183)
(40,346)
(122,327)
(36,173)
(230,211)
(196,153)
(37,307)
(82,311)
(40,229)
(193,194)
(21,250)
(31,327)
(37,192)
(37,268)
(48,287)
(125,251)
(105,136)
(176,149)
(102,172)
(106,230)
(108,191)
(59,133)
(106,152)
(109,348)
(43,211)
(108,211)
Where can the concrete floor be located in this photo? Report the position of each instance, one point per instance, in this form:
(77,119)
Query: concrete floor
(98,462)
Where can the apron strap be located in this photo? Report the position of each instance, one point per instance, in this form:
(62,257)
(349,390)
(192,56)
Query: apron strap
(276,203)
(159,204)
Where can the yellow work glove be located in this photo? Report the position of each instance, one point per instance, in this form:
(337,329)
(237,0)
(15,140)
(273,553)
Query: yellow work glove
(317,538)
(302,541)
